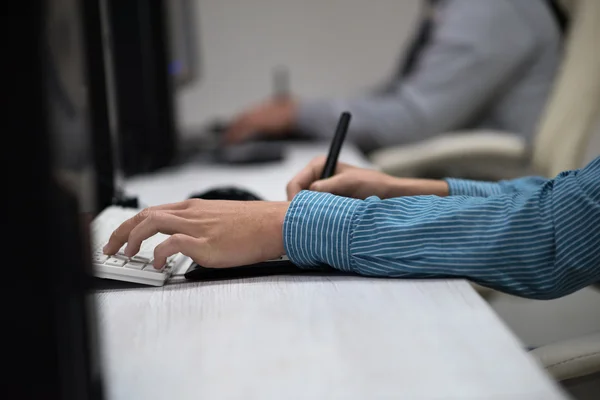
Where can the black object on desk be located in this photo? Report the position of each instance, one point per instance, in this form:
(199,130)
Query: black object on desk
(249,152)
(267,268)
(226,193)
(278,267)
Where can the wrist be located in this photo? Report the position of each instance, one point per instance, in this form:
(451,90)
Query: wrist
(330,219)
(275,219)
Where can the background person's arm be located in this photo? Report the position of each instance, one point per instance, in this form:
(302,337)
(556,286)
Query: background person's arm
(477,48)
(542,243)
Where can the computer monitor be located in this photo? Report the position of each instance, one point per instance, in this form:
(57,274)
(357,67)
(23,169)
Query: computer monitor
(146,128)
(183,26)
(102,104)
(51,317)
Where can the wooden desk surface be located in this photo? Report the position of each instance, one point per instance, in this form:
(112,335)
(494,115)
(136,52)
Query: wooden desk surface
(292,337)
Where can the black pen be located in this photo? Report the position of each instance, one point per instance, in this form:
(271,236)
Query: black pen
(336,146)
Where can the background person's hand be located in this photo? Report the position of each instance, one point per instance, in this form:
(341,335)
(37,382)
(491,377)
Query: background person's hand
(272,118)
(214,233)
(360,183)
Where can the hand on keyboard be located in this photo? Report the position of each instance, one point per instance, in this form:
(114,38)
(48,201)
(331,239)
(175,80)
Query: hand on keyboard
(138,269)
(214,233)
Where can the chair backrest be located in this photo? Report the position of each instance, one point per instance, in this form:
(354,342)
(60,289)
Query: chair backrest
(571,114)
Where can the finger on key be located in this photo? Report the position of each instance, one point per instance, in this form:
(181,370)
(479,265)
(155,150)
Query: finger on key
(157,222)
(178,243)
(121,234)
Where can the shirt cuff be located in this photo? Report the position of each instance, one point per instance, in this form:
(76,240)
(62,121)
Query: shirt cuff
(465,187)
(317,230)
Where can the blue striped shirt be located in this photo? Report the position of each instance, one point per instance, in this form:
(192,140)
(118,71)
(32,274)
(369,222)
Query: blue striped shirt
(531,237)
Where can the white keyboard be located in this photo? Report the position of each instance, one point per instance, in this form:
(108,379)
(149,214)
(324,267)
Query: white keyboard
(137,269)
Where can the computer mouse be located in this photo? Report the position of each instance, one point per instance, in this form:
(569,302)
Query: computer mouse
(226,193)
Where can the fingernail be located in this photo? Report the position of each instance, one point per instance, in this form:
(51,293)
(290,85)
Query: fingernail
(127,251)
(104,249)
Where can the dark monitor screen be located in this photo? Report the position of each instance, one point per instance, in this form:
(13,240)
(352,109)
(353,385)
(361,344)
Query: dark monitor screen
(48,169)
(141,58)
(69,114)
(88,159)
(74,113)
(81,102)
(182,30)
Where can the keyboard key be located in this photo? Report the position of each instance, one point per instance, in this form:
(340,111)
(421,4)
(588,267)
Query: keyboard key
(115,262)
(135,265)
(99,258)
(122,250)
(150,268)
(146,252)
(143,257)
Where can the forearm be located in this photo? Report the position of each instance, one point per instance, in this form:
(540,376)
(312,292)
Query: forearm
(376,121)
(424,236)
(530,244)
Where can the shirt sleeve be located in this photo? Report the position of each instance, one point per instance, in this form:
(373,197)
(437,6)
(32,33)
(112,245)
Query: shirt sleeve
(476,48)
(466,187)
(540,244)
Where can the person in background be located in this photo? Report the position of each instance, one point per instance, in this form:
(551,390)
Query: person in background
(531,237)
(484,64)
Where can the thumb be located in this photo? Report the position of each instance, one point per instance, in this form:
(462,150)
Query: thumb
(338,184)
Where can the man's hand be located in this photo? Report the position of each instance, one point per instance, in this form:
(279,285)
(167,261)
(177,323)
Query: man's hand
(273,118)
(214,233)
(359,183)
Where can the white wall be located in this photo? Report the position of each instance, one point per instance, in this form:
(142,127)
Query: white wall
(331,47)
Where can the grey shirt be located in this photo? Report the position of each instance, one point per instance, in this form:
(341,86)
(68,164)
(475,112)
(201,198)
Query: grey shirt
(489,64)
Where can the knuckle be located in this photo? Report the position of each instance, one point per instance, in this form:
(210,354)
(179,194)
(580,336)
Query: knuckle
(151,216)
(177,239)
(154,217)
(192,203)
(142,215)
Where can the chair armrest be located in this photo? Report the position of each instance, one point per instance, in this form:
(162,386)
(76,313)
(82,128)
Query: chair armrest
(571,358)
(465,148)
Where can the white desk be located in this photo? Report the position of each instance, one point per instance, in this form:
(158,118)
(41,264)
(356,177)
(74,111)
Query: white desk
(266,180)
(305,337)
